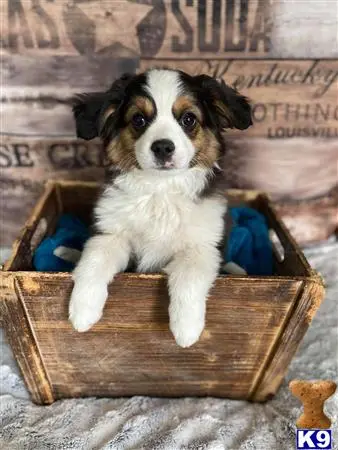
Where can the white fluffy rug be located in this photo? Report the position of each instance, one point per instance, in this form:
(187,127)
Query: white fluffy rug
(189,423)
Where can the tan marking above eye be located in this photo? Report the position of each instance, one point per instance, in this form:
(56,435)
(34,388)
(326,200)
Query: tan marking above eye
(140,105)
(186,104)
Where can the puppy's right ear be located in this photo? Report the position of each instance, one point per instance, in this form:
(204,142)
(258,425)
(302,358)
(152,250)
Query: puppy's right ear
(87,110)
(91,109)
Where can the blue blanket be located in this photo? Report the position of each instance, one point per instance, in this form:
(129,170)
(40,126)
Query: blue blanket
(249,243)
(248,246)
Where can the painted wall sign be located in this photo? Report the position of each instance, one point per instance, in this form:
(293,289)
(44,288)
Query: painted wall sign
(148,28)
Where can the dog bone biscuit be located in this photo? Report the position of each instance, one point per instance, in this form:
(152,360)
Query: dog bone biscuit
(313,395)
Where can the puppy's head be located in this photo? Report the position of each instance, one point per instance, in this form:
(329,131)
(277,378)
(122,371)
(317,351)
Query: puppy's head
(162,119)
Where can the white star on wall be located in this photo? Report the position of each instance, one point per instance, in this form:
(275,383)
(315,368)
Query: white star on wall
(115,22)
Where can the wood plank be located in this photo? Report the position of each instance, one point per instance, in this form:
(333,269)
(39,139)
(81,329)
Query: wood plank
(292,169)
(58,77)
(26,165)
(287,169)
(21,338)
(161,28)
(311,220)
(223,363)
(300,319)
(291,98)
(302,185)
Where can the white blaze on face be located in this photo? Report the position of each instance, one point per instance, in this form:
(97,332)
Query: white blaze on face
(164,86)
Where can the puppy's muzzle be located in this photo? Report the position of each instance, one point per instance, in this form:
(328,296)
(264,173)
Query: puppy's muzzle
(163,150)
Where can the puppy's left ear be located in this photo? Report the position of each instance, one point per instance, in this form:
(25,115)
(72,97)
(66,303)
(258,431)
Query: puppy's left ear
(86,110)
(232,108)
(91,110)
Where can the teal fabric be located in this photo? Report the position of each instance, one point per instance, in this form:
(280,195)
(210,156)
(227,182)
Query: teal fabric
(249,245)
(71,233)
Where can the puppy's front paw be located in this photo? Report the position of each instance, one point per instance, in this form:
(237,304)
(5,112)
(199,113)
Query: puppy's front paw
(186,331)
(86,306)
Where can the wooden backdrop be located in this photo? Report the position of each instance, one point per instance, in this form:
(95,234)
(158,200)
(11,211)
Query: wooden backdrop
(53,49)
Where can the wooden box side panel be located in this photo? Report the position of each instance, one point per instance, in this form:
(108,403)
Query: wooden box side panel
(302,313)
(13,318)
(290,260)
(131,350)
(40,224)
(79,198)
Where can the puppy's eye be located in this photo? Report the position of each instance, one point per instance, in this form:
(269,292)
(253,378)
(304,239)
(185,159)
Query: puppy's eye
(138,120)
(188,121)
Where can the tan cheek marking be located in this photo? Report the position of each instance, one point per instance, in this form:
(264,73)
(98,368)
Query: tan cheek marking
(121,150)
(207,148)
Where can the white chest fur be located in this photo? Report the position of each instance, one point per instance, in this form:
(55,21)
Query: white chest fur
(161,214)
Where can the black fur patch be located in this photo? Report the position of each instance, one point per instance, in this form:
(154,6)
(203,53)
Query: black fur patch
(211,93)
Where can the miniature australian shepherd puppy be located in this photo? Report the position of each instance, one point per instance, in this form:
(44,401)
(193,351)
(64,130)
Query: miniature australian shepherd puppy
(162,130)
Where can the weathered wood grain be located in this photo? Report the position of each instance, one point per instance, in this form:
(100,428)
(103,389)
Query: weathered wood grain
(140,355)
(25,166)
(291,99)
(291,335)
(311,220)
(58,77)
(301,184)
(152,28)
(292,167)
(296,168)
(24,346)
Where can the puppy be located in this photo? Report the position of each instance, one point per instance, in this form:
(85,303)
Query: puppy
(162,130)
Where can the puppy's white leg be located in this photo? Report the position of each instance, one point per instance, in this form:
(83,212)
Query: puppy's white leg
(190,277)
(103,257)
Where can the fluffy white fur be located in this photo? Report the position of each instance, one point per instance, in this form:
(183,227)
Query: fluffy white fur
(157,218)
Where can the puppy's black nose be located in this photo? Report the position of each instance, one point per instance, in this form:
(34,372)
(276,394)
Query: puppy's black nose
(163,149)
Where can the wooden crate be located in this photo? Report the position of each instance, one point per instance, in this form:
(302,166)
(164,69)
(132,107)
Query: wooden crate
(254,324)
